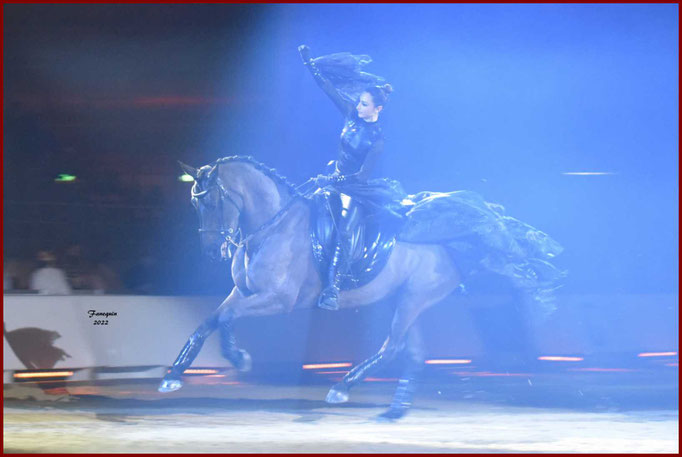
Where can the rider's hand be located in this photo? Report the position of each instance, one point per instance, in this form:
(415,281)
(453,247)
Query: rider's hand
(322,180)
(304,50)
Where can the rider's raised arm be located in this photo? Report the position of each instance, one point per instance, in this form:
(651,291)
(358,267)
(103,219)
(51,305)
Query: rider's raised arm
(342,104)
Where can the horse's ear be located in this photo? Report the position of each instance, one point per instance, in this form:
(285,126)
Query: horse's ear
(212,172)
(193,172)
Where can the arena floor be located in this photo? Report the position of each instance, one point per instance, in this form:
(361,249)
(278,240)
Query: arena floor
(219,415)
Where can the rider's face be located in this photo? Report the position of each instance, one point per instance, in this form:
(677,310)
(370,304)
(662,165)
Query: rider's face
(366,108)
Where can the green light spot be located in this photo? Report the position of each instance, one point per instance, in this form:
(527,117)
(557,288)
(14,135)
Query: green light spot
(185,178)
(63,177)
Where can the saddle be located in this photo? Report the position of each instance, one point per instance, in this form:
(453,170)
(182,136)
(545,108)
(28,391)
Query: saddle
(369,246)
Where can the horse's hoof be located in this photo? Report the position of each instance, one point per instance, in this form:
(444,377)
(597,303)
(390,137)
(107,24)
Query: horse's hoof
(245,363)
(337,394)
(169,385)
(391,415)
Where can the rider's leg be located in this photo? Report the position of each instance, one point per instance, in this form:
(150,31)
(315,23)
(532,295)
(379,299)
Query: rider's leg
(171,381)
(345,220)
(330,295)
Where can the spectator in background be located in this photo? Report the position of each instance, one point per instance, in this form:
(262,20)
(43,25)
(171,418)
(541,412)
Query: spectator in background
(7,275)
(103,277)
(142,277)
(19,272)
(7,282)
(89,273)
(48,279)
(107,274)
(76,268)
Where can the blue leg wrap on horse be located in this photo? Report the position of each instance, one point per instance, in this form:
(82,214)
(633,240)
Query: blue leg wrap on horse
(359,373)
(192,347)
(402,398)
(187,355)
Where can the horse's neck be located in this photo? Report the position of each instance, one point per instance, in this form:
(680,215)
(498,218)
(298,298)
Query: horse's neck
(260,195)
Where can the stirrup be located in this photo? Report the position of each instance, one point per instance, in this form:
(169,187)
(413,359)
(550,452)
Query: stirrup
(329,298)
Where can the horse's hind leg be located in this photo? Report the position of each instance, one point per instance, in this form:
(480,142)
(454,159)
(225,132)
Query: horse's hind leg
(414,363)
(433,280)
(403,319)
(402,399)
(431,283)
(339,393)
(172,381)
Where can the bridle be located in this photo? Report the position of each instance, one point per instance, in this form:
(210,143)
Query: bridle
(229,233)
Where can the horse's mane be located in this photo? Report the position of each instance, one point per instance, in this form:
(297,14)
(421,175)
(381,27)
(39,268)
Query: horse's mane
(269,172)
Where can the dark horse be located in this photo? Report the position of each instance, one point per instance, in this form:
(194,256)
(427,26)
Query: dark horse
(266,222)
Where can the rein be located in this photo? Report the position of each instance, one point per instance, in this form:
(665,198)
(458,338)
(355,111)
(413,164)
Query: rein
(228,234)
(270,222)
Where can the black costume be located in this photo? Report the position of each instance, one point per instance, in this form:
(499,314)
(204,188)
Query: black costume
(480,235)
(361,144)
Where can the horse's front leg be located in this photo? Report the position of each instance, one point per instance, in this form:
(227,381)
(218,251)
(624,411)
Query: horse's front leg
(172,380)
(235,305)
(238,305)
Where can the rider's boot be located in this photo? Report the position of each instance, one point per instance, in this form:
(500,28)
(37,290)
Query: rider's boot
(330,295)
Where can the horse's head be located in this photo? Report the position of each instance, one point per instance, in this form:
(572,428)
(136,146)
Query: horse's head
(218,211)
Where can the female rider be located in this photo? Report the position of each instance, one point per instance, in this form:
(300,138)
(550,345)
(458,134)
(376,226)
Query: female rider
(353,194)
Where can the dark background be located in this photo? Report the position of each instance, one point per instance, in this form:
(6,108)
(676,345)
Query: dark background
(500,99)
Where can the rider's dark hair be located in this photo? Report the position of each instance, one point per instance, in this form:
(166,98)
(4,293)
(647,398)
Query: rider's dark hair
(379,94)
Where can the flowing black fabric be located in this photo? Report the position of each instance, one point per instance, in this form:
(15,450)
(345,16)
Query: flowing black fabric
(362,144)
(376,196)
(484,239)
(344,71)
(479,235)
